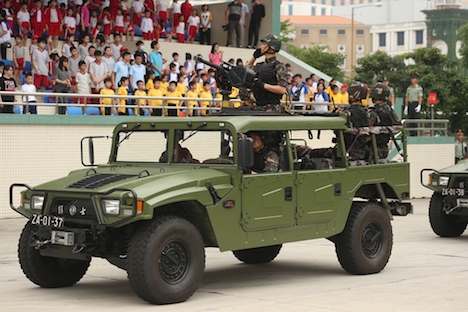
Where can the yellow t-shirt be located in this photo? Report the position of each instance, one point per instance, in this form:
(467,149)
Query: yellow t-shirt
(182,88)
(329,91)
(345,97)
(205,95)
(149,84)
(164,86)
(365,102)
(200,87)
(122,91)
(106,101)
(173,102)
(141,102)
(155,92)
(192,94)
(235,93)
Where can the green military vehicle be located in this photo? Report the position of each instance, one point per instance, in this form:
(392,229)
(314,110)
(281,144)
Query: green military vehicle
(174,186)
(448,209)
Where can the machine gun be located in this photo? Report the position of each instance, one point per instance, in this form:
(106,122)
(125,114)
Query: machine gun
(228,76)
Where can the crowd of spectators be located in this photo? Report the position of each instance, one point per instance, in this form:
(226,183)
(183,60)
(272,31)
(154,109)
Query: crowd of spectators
(89,62)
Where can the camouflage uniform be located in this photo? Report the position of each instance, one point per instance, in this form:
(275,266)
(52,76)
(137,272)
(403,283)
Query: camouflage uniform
(271,72)
(266,161)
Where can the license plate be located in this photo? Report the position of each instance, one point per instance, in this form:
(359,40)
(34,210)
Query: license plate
(453,191)
(53,221)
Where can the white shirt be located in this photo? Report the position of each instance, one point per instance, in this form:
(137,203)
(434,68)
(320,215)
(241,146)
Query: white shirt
(98,71)
(30,88)
(66,50)
(119,20)
(146,25)
(110,61)
(54,15)
(78,2)
(206,19)
(303,91)
(176,6)
(319,99)
(69,21)
(88,60)
(41,58)
(162,5)
(83,81)
(23,17)
(137,5)
(115,50)
(245,8)
(193,21)
(180,28)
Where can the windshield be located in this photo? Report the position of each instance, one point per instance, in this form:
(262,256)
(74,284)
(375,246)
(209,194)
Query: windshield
(141,146)
(190,146)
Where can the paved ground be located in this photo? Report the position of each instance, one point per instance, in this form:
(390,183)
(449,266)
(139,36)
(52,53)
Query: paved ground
(425,273)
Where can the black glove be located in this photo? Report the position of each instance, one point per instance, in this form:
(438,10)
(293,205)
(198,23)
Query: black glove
(259,83)
(257,53)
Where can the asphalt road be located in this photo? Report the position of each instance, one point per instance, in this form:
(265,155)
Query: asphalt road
(425,273)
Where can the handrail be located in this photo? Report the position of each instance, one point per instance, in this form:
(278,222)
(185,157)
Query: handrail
(419,126)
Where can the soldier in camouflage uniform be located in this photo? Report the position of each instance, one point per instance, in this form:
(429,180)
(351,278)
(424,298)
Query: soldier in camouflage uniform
(266,152)
(382,115)
(271,79)
(358,117)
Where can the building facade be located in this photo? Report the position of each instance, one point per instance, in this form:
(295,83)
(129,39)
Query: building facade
(335,33)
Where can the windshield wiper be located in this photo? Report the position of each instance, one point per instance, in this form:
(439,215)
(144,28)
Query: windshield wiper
(127,135)
(194,131)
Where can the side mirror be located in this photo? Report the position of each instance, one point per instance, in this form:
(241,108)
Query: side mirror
(245,152)
(90,149)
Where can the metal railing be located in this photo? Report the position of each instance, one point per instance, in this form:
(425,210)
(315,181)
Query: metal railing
(426,127)
(215,104)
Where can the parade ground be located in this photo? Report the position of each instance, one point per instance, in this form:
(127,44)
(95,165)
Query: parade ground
(425,273)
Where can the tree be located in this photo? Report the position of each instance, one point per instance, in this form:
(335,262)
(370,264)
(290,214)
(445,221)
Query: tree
(317,57)
(287,31)
(463,36)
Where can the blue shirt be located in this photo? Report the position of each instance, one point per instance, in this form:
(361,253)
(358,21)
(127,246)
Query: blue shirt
(156,59)
(121,70)
(138,72)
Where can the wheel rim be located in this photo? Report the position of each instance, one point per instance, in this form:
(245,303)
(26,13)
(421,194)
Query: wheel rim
(173,261)
(371,240)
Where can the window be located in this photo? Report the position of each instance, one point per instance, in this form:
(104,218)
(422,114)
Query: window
(333,2)
(360,32)
(351,2)
(382,40)
(323,32)
(323,2)
(400,38)
(324,12)
(290,9)
(304,32)
(314,1)
(131,146)
(419,37)
(313,11)
(342,2)
(341,32)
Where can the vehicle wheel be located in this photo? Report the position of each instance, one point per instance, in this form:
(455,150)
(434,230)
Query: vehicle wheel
(442,224)
(258,255)
(47,272)
(365,245)
(166,260)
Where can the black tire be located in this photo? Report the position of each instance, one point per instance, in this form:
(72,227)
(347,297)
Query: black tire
(258,255)
(47,272)
(442,224)
(166,260)
(365,245)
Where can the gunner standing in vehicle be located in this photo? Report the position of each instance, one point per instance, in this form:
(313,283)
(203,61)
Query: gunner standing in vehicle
(271,79)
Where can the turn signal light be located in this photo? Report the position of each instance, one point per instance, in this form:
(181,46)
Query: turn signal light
(140,206)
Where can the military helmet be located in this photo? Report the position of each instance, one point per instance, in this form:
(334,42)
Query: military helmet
(357,91)
(273,41)
(380,92)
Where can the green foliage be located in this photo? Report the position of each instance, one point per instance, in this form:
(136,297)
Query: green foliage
(463,36)
(375,67)
(287,31)
(437,74)
(317,57)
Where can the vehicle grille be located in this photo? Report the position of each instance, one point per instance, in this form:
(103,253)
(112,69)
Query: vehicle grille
(99,180)
(461,182)
(73,209)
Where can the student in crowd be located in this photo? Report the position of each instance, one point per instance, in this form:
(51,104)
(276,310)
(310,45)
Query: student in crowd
(192,93)
(73,64)
(156,105)
(83,82)
(123,90)
(205,25)
(7,83)
(206,94)
(29,100)
(172,92)
(18,57)
(140,91)
(193,22)
(62,84)
(106,108)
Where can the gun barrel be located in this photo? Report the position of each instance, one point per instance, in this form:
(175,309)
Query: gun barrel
(199,59)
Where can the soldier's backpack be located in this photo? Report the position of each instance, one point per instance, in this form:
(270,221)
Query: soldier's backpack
(386,116)
(358,116)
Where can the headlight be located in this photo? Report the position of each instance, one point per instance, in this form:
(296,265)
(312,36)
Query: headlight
(444,180)
(111,206)
(37,202)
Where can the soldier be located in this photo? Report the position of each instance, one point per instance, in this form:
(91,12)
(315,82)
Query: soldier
(356,142)
(271,80)
(382,115)
(391,100)
(413,101)
(266,151)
